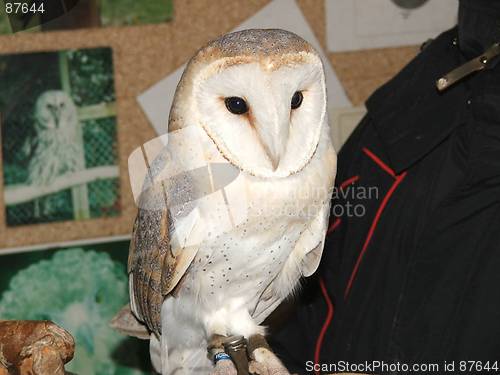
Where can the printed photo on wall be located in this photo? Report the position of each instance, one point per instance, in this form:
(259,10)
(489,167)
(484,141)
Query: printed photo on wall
(353,25)
(59,144)
(38,15)
(81,289)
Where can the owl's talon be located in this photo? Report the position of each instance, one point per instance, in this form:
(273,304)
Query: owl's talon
(266,363)
(267,368)
(225,367)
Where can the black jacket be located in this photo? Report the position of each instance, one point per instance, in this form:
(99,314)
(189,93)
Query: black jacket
(411,273)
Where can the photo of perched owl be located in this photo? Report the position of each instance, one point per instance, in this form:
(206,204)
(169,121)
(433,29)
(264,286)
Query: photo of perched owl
(55,148)
(260,98)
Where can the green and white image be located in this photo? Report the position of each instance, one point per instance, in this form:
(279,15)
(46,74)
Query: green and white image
(80,289)
(69,14)
(59,141)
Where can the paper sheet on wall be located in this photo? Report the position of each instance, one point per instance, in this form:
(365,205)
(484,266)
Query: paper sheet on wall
(361,24)
(343,122)
(282,14)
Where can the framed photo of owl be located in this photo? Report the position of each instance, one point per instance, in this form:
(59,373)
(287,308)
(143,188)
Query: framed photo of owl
(59,143)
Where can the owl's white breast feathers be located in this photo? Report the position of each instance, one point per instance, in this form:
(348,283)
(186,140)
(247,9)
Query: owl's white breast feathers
(259,99)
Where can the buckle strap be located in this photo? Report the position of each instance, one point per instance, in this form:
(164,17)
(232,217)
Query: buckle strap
(476,64)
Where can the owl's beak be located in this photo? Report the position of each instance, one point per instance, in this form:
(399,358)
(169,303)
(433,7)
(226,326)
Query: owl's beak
(274,144)
(272,125)
(274,157)
(57,115)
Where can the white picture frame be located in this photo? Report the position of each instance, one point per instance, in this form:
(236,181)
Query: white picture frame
(364,24)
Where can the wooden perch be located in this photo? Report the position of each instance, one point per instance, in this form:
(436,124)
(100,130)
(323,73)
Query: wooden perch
(34,348)
(15,194)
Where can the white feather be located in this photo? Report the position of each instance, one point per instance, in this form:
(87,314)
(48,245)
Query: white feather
(287,168)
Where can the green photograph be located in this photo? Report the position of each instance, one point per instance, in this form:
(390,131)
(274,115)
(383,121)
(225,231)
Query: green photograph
(59,141)
(36,15)
(80,289)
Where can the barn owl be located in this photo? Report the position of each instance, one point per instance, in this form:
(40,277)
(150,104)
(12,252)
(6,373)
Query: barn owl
(55,149)
(257,100)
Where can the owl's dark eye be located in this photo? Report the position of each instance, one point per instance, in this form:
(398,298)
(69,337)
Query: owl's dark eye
(296,100)
(236,105)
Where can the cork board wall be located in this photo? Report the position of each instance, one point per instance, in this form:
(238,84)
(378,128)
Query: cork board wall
(145,54)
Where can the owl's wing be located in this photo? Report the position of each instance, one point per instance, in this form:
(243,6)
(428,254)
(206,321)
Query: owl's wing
(174,190)
(155,269)
(149,249)
(306,256)
(309,248)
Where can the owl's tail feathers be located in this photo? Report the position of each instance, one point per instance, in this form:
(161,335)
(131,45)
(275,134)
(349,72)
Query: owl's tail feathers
(126,323)
(155,351)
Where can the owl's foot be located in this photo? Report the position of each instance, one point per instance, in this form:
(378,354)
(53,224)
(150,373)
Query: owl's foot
(224,368)
(264,361)
(215,348)
(241,357)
